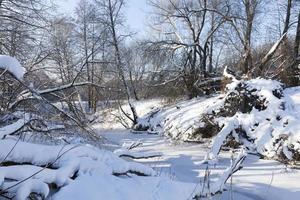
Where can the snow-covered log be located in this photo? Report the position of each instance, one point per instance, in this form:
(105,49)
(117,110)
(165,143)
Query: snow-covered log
(33,168)
(25,189)
(32,94)
(127,150)
(136,155)
(272,51)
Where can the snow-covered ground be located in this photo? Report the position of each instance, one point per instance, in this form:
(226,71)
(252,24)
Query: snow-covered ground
(294,94)
(176,173)
(259,179)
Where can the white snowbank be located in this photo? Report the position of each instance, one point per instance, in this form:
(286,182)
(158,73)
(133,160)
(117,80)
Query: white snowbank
(181,120)
(114,117)
(57,165)
(87,157)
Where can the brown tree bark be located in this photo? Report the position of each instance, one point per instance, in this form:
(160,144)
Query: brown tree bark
(297,41)
(250,8)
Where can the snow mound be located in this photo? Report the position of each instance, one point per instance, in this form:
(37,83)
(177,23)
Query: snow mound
(264,120)
(12,65)
(182,121)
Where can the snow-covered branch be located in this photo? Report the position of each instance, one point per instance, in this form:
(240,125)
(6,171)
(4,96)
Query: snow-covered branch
(218,186)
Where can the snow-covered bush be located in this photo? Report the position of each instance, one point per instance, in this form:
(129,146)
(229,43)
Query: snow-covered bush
(263,120)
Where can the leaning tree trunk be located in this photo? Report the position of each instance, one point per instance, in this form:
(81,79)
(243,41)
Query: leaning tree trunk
(134,118)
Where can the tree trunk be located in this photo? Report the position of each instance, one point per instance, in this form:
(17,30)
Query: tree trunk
(210,65)
(120,65)
(211,48)
(87,58)
(295,68)
(247,57)
(133,86)
(297,41)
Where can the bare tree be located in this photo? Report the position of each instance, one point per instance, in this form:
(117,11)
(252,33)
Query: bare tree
(91,36)
(62,44)
(135,67)
(111,11)
(22,28)
(187,28)
(240,29)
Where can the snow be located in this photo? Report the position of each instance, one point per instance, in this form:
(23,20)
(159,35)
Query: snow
(228,125)
(144,166)
(96,186)
(271,132)
(175,170)
(108,119)
(58,165)
(24,189)
(69,157)
(180,120)
(11,128)
(12,65)
(80,170)
(45,175)
(227,75)
(186,162)
(183,162)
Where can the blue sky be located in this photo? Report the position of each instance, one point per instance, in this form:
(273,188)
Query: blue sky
(135,12)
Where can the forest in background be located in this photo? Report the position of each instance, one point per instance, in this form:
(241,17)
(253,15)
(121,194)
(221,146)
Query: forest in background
(184,52)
